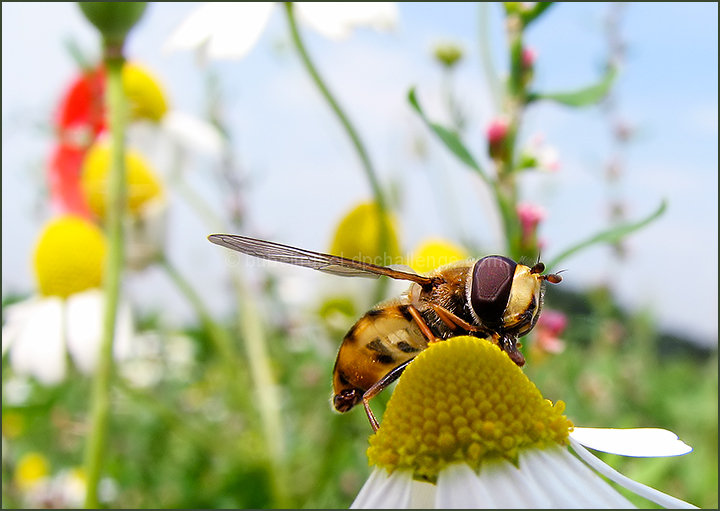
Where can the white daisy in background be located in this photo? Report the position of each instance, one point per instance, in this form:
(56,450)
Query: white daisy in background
(465,428)
(229,30)
(66,315)
(151,114)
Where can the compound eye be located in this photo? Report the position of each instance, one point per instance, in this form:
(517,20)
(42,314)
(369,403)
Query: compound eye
(491,284)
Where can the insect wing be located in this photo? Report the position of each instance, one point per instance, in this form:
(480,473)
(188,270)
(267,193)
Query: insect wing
(299,257)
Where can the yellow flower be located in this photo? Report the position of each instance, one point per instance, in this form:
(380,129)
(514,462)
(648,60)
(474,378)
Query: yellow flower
(69,257)
(358,236)
(143,184)
(145,95)
(31,469)
(433,253)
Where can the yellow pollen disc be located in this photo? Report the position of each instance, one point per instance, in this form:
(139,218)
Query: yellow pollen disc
(463,400)
(142,184)
(358,236)
(69,257)
(434,253)
(145,95)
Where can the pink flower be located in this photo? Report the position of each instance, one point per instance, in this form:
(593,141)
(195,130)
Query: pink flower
(497,134)
(548,330)
(528,57)
(530,217)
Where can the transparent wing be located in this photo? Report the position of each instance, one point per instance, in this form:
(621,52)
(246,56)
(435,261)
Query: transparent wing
(323,262)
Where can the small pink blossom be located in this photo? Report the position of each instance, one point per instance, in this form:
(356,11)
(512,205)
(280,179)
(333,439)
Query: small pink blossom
(496,135)
(528,57)
(530,216)
(548,330)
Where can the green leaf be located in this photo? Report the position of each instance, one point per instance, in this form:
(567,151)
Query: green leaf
(449,137)
(612,235)
(583,97)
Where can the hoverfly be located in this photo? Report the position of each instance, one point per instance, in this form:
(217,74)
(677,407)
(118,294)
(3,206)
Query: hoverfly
(493,298)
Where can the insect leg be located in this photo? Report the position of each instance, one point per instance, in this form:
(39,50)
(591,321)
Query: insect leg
(424,328)
(451,319)
(378,387)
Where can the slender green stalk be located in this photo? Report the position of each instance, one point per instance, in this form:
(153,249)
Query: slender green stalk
(100,404)
(370,173)
(505,188)
(266,389)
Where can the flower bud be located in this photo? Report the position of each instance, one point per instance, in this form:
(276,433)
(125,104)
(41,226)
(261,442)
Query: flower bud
(448,54)
(113,19)
(497,138)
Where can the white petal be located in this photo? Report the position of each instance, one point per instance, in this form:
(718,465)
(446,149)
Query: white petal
(85,316)
(84,328)
(638,488)
(422,495)
(192,132)
(383,491)
(336,20)
(459,487)
(124,332)
(38,348)
(229,30)
(639,442)
(567,483)
(15,317)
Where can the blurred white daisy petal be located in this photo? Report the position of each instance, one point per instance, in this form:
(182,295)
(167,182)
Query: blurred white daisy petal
(35,339)
(190,131)
(223,30)
(638,442)
(230,30)
(336,20)
(84,314)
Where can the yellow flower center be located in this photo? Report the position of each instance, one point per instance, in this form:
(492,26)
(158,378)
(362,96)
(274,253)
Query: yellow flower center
(69,257)
(146,97)
(434,253)
(463,400)
(142,184)
(358,236)
(31,468)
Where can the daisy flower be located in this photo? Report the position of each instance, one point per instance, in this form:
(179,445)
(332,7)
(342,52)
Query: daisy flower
(66,314)
(229,30)
(465,428)
(433,253)
(80,120)
(357,236)
(146,221)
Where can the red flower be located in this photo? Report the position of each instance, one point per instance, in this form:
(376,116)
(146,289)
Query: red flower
(82,107)
(64,173)
(79,119)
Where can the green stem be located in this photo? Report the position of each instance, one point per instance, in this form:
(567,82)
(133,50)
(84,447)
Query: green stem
(505,188)
(100,399)
(266,389)
(354,137)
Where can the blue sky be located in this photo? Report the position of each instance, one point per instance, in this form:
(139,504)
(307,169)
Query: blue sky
(287,140)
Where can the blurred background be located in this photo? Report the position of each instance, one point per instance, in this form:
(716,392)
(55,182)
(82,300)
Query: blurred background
(631,335)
